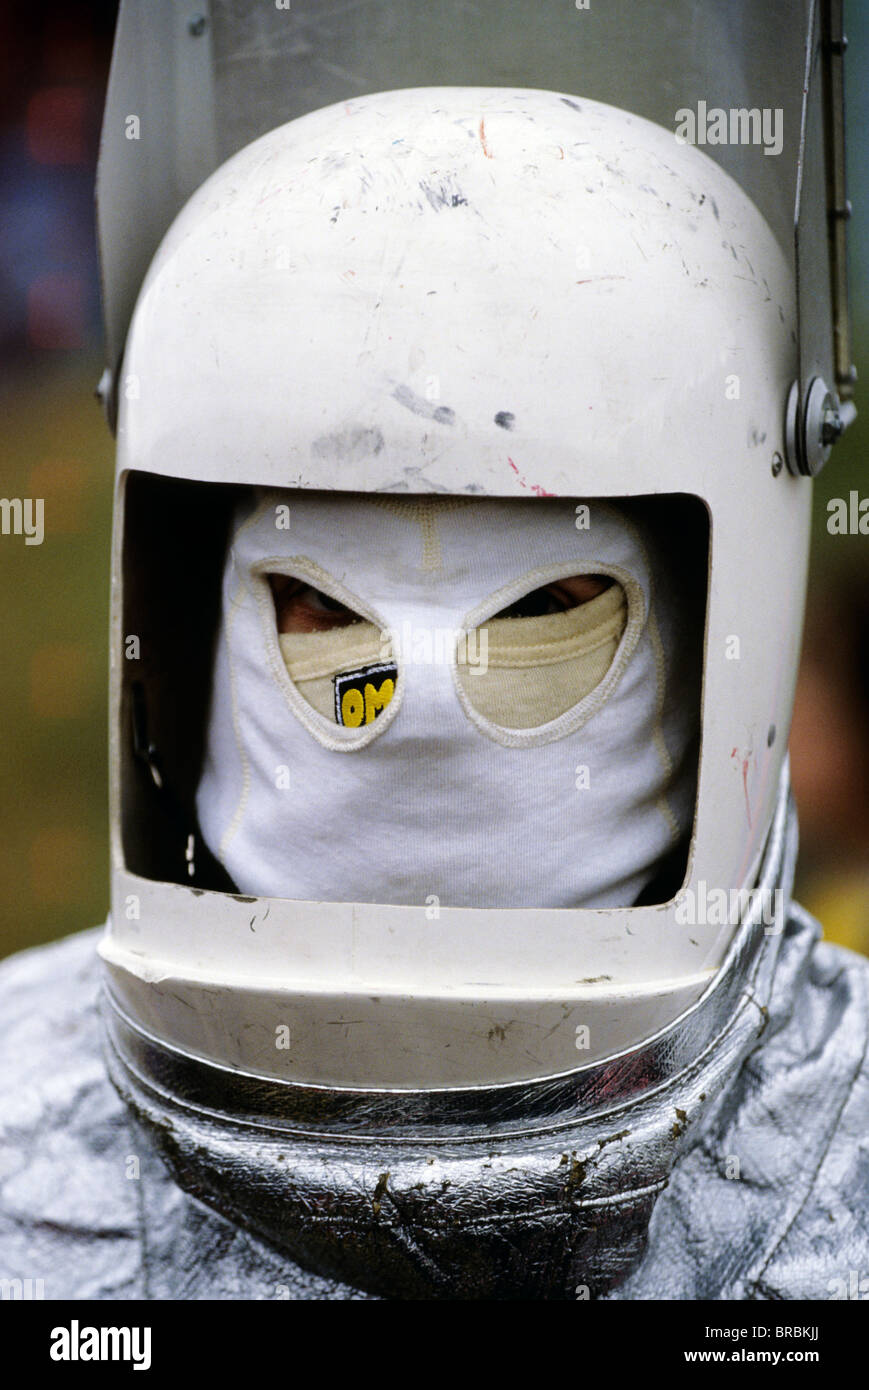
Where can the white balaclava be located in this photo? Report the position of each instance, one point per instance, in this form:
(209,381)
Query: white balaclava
(411,758)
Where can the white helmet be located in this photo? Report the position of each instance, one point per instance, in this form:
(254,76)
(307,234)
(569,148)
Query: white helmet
(479,292)
(549,309)
(619,297)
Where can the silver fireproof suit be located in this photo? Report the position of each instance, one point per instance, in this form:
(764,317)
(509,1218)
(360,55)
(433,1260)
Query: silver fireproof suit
(726,1159)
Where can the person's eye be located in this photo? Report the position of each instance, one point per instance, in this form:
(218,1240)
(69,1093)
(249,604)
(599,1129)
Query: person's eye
(322,603)
(299,607)
(557,597)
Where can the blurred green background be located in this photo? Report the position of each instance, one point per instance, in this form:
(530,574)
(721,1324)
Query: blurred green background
(54,614)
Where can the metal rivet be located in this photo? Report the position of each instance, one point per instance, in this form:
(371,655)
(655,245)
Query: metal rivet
(777,464)
(196,27)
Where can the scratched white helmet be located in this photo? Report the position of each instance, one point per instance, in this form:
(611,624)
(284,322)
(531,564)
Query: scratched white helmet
(459,293)
(417,356)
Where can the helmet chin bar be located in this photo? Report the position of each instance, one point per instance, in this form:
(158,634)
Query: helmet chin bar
(436,1112)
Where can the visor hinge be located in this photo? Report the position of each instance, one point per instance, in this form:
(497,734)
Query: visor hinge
(810,435)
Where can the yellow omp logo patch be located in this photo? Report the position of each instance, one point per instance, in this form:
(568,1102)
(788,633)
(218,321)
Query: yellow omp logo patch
(361,695)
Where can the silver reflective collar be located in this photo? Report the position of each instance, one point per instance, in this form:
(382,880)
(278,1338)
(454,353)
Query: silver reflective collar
(538,1190)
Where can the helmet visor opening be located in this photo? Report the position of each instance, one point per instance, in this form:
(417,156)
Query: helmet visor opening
(453,695)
